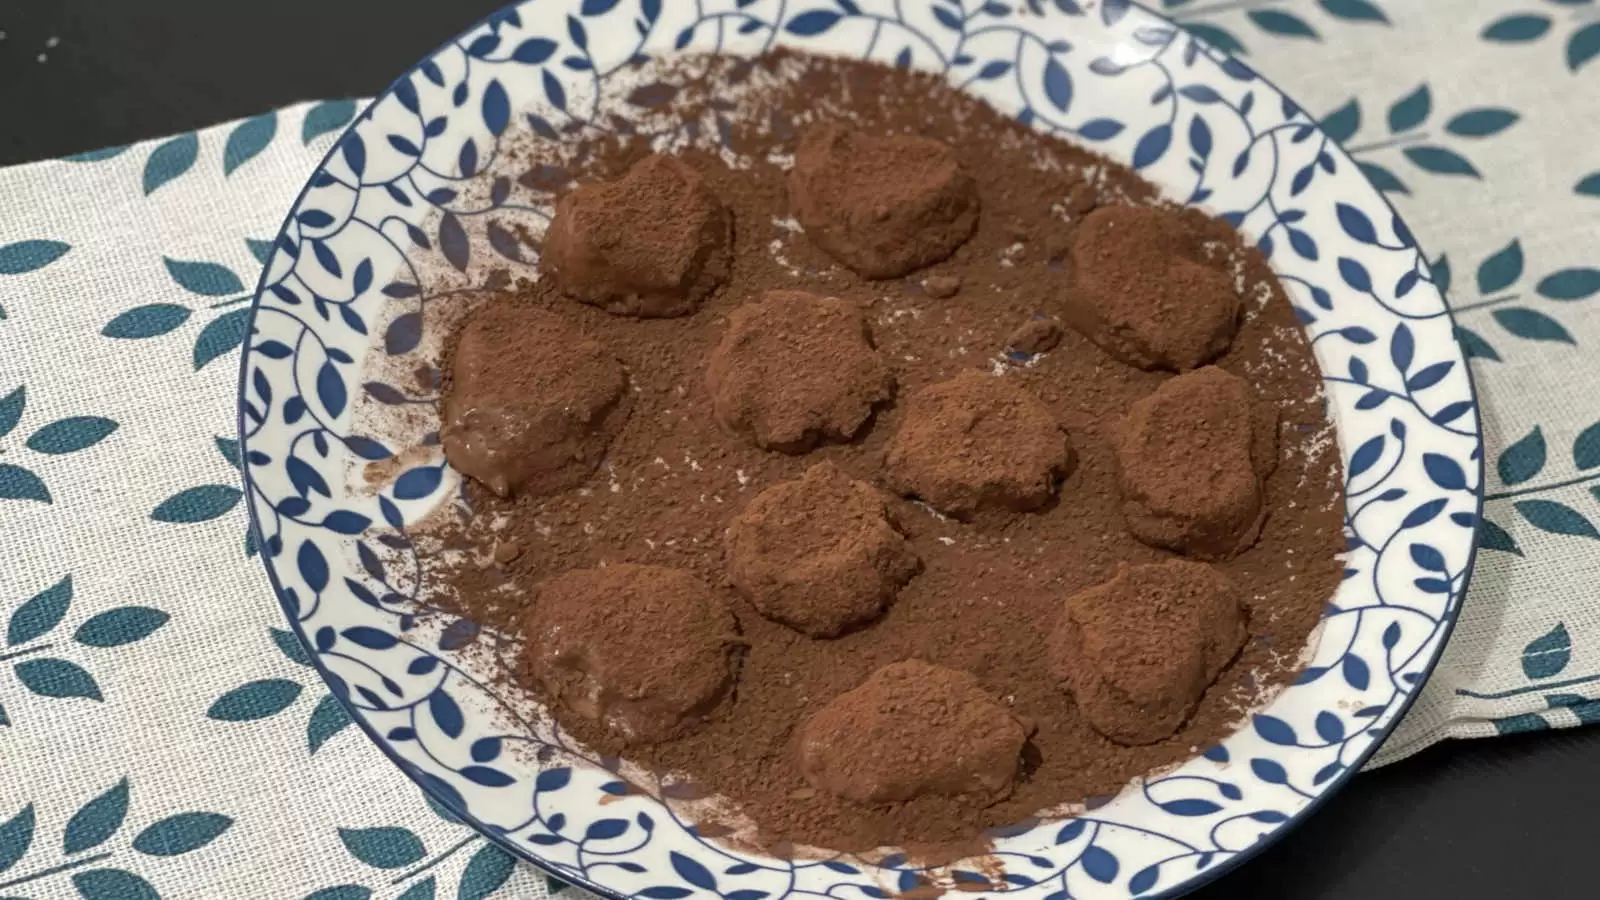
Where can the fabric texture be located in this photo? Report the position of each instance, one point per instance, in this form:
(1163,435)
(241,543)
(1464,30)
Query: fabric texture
(161,733)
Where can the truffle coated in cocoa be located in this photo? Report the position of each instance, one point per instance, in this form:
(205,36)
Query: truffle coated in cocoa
(795,370)
(912,729)
(646,651)
(652,244)
(1192,460)
(882,206)
(532,404)
(1138,652)
(819,553)
(975,443)
(1145,291)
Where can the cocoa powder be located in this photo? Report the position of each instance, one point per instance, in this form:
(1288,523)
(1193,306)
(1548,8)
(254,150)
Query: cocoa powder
(991,591)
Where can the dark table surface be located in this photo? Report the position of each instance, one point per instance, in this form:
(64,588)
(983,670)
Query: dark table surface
(1510,817)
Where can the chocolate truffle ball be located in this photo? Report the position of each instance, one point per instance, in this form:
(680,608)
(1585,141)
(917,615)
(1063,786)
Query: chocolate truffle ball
(652,244)
(1138,652)
(882,206)
(978,442)
(532,404)
(647,652)
(819,554)
(912,729)
(1144,290)
(1192,457)
(795,370)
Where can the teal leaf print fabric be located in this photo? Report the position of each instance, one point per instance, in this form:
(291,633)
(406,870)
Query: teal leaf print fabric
(133,609)
(169,161)
(247,140)
(25,256)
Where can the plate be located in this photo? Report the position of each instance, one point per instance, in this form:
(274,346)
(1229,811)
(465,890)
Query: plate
(405,192)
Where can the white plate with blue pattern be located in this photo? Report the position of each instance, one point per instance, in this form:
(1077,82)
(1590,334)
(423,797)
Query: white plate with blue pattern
(342,290)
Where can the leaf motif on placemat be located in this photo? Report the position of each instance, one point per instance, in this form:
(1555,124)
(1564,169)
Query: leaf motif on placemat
(1517,28)
(425,889)
(207,278)
(113,884)
(1546,655)
(170,160)
(256,700)
(489,869)
(1570,284)
(1501,270)
(40,613)
(1583,46)
(341,892)
(221,335)
(386,847)
(1481,122)
(1523,459)
(1556,518)
(96,155)
(1586,448)
(26,256)
(70,435)
(123,625)
(150,320)
(1532,324)
(17,483)
(11,407)
(16,834)
(51,677)
(1493,537)
(328,719)
(197,504)
(247,140)
(329,115)
(96,821)
(1411,110)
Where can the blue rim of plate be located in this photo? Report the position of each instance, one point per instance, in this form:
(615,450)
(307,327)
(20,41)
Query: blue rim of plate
(1393,713)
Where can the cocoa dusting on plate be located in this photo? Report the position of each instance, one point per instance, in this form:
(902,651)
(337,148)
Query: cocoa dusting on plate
(936,459)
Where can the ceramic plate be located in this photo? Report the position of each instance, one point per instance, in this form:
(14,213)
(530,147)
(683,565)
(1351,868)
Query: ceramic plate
(409,208)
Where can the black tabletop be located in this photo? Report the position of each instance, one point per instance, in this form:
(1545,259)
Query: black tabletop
(1508,817)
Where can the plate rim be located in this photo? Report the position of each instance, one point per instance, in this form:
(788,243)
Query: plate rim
(1449,618)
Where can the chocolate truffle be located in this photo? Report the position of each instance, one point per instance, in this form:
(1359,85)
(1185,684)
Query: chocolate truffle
(882,206)
(648,652)
(795,370)
(1145,291)
(1192,457)
(532,404)
(652,244)
(1138,652)
(912,729)
(978,442)
(819,554)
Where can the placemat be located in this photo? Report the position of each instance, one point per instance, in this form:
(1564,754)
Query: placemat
(162,735)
